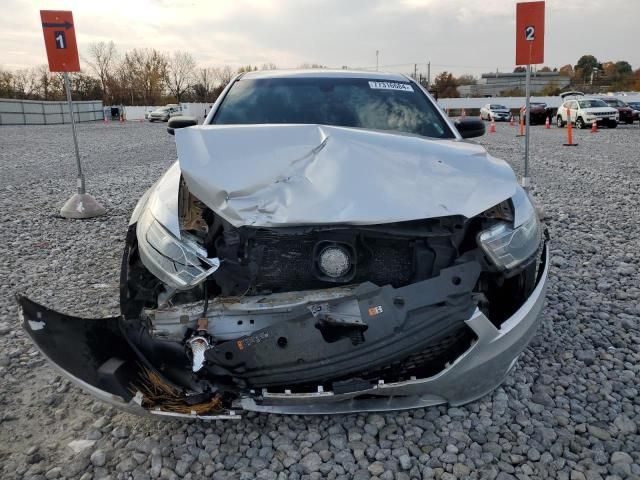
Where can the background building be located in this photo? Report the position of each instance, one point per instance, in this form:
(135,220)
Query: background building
(513,84)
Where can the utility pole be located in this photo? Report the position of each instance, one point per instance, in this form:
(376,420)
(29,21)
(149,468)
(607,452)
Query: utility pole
(377,52)
(429,74)
(415,71)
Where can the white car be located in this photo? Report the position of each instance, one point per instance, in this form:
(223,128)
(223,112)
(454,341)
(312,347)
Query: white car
(163,114)
(584,111)
(496,112)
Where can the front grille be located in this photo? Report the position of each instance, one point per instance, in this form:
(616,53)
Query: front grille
(287,261)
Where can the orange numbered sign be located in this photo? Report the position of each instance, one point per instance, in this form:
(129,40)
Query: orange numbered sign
(60,40)
(529,33)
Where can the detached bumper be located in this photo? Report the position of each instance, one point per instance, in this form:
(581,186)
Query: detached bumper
(477,372)
(96,355)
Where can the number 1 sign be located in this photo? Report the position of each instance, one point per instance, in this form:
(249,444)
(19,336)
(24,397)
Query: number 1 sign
(60,40)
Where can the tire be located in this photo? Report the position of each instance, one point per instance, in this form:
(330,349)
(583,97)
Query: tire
(629,122)
(559,122)
(580,123)
(612,125)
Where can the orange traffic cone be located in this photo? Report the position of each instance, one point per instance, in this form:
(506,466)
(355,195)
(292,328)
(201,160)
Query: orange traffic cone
(569,131)
(511,122)
(547,123)
(492,126)
(521,129)
(594,127)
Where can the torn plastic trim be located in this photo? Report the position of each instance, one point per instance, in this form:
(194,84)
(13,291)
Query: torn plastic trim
(477,372)
(93,354)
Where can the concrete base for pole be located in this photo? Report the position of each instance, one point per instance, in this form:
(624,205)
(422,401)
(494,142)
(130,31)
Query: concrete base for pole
(82,205)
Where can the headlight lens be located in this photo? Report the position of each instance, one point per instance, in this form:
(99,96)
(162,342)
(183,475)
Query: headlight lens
(180,263)
(506,246)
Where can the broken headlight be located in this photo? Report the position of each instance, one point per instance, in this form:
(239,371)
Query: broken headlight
(180,263)
(506,246)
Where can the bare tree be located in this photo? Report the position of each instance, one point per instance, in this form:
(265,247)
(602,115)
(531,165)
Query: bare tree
(47,85)
(225,74)
(102,57)
(143,71)
(179,73)
(25,83)
(269,66)
(205,83)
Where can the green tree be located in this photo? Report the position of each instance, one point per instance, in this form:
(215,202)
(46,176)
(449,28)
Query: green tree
(585,67)
(446,85)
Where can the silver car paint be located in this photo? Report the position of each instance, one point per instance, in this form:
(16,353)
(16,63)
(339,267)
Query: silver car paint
(276,175)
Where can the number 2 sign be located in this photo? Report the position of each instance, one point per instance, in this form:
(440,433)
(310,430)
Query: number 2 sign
(529,33)
(60,40)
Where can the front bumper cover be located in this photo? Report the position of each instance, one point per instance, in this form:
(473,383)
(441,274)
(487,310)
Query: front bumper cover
(95,355)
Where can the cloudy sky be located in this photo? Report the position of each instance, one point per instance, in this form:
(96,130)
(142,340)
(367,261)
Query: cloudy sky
(463,36)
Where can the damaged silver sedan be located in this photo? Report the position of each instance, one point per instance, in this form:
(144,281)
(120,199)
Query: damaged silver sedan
(326,243)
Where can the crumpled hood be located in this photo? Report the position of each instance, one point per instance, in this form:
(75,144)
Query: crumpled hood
(276,175)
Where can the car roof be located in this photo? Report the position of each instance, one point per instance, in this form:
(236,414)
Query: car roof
(325,73)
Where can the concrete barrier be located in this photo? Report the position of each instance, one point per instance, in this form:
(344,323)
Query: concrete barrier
(35,112)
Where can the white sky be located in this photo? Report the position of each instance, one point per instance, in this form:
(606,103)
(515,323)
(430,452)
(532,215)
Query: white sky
(463,36)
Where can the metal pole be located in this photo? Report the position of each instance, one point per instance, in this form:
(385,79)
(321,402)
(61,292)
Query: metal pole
(415,71)
(67,86)
(429,74)
(525,178)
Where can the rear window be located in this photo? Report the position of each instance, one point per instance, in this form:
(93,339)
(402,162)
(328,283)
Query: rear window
(348,102)
(498,107)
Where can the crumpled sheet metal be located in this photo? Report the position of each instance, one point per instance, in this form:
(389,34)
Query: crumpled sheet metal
(276,175)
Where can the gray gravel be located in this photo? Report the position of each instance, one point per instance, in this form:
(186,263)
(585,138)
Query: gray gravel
(570,410)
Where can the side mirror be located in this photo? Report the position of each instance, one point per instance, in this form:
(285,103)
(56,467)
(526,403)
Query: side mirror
(180,122)
(470,127)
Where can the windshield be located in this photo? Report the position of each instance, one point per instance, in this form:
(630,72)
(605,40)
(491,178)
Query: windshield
(591,103)
(498,107)
(346,102)
(162,109)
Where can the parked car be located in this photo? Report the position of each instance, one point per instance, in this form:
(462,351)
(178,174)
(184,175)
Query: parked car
(635,106)
(585,110)
(539,113)
(163,114)
(495,112)
(627,114)
(326,243)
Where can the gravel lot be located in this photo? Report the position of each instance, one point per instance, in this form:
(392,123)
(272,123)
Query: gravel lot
(570,410)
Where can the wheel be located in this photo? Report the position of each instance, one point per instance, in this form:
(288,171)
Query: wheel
(580,123)
(612,124)
(629,122)
(559,121)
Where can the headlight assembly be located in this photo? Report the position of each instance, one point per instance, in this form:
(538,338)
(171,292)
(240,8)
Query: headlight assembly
(506,246)
(180,263)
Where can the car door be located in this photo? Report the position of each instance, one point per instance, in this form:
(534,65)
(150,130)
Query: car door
(562,111)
